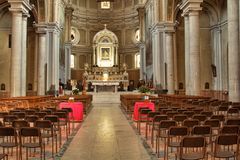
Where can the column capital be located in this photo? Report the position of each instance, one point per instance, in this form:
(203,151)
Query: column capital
(169,27)
(140,8)
(69,10)
(19,6)
(54,27)
(41,28)
(158,27)
(190,5)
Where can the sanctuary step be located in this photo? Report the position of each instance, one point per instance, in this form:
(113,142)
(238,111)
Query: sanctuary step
(106,97)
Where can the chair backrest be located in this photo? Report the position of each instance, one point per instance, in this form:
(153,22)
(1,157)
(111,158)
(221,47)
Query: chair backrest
(68,109)
(52,118)
(20,123)
(197,111)
(233,111)
(166,124)
(20,115)
(221,118)
(41,114)
(43,124)
(200,117)
(207,113)
(179,117)
(189,113)
(233,121)
(7,131)
(230,129)
(223,108)
(145,111)
(152,114)
(193,142)
(227,139)
(48,111)
(31,118)
(159,118)
(170,114)
(181,110)
(30,132)
(61,115)
(9,118)
(212,122)
(2,114)
(30,112)
(193,147)
(178,131)
(202,130)
(190,122)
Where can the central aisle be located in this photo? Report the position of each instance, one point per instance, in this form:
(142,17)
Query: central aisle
(106,135)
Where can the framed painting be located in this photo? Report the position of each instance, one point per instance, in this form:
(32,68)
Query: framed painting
(105,53)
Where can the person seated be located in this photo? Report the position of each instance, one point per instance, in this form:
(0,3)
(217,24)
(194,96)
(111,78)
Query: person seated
(90,87)
(131,86)
(69,85)
(61,84)
(121,87)
(79,85)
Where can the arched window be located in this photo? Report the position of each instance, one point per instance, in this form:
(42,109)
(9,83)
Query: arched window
(137,35)
(72,61)
(137,60)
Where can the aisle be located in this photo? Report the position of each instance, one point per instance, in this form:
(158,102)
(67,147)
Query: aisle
(106,135)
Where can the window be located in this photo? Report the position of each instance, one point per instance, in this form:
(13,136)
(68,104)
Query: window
(137,60)
(137,35)
(105,5)
(72,65)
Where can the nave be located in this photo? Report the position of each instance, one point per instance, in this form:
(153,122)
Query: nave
(106,135)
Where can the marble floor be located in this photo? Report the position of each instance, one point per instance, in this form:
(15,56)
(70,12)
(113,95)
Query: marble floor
(106,135)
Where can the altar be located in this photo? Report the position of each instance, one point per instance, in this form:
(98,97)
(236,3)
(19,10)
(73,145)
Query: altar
(108,86)
(106,74)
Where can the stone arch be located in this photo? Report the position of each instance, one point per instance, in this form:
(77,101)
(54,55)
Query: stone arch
(42,11)
(105,34)
(105,48)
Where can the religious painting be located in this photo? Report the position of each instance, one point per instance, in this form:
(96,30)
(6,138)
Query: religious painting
(105,53)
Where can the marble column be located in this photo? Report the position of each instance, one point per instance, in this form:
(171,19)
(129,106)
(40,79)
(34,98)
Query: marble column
(233,50)
(42,49)
(192,9)
(94,55)
(68,50)
(142,50)
(116,49)
(142,61)
(18,9)
(16,54)
(68,45)
(169,29)
(156,56)
(35,86)
(187,56)
(24,55)
(194,49)
(55,60)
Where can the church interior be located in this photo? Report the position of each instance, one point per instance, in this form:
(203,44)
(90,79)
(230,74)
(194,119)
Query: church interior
(119,79)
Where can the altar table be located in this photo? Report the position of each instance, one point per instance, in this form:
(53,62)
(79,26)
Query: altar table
(138,105)
(77,108)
